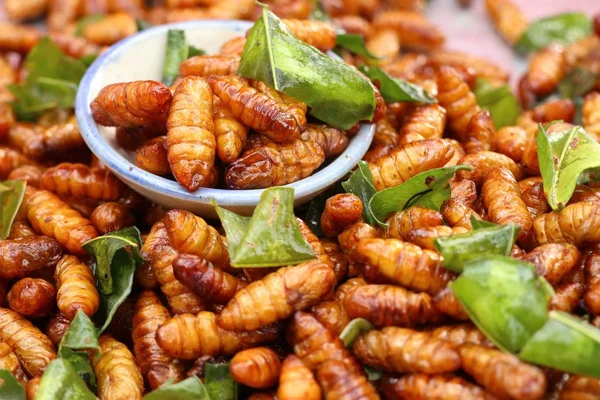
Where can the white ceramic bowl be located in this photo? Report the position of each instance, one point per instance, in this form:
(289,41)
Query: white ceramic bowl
(141,57)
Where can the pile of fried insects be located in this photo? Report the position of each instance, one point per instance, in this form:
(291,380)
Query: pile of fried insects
(459,260)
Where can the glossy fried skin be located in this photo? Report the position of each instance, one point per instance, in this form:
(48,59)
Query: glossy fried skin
(387,305)
(258,367)
(132,104)
(337,257)
(569,291)
(191,142)
(80,181)
(152,156)
(111,216)
(10,362)
(341,211)
(384,43)
(29,173)
(342,290)
(32,297)
(428,120)
(401,223)
(18,10)
(188,337)
(408,160)
(332,140)
(512,141)
(461,334)
(11,159)
(154,364)
(580,388)
(62,12)
(315,244)
(318,34)
(532,193)
(480,133)
(502,374)
(385,134)
(21,256)
(483,162)
(395,349)
(7,119)
(28,138)
(553,110)
(591,114)
(234,46)
(338,382)
(18,38)
(110,29)
(546,69)
(34,350)
(431,387)
(58,324)
(510,22)
(592,280)
(332,315)
(413,29)
(296,381)
(206,281)
(553,260)
(446,302)
(20,229)
(206,66)
(117,375)
(289,289)
(230,133)
(576,223)
(276,119)
(74,46)
(76,287)
(480,67)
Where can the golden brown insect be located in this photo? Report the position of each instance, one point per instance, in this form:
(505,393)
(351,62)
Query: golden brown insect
(80,181)
(275,118)
(575,224)
(414,30)
(29,173)
(332,315)
(188,337)
(446,302)
(145,277)
(18,38)
(11,159)
(110,29)
(62,12)
(318,34)
(10,362)
(580,49)
(152,156)
(132,104)
(546,69)
(580,388)
(7,119)
(27,138)
(337,257)
(592,280)
(21,256)
(338,382)
(591,114)
(234,46)
(190,138)
(332,140)
(314,243)
(258,367)
(57,327)
(480,67)
(341,211)
(289,289)
(205,66)
(155,365)
(457,214)
(76,288)
(569,291)
(460,334)
(296,381)
(32,297)
(384,43)
(387,305)
(512,141)
(483,162)
(433,387)
(117,375)
(510,22)
(20,229)
(425,237)
(401,223)
(385,134)
(230,133)
(74,46)
(395,349)
(342,290)
(502,374)
(19,10)
(34,350)
(553,110)
(553,260)
(480,133)
(428,121)
(111,216)
(530,157)
(408,160)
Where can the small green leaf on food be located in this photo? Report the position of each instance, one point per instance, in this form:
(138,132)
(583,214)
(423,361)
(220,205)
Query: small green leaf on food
(577,82)
(499,101)
(194,51)
(477,223)
(361,184)
(11,197)
(81,335)
(80,362)
(61,381)
(219,382)
(561,28)
(355,44)
(372,373)
(10,388)
(563,157)
(397,90)
(319,13)
(354,329)
(235,226)
(83,22)
(176,52)
(188,389)
(142,25)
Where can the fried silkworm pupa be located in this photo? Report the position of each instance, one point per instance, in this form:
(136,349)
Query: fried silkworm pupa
(569,291)
(206,281)
(155,365)
(388,305)
(131,139)
(337,257)
(289,289)
(342,290)
(117,375)
(591,114)
(29,173)
(339,382)
(456,214)
(205,66)
(352,235)
(61,13)
(58,324)
(553,110)
(425,237)
(19,257)
(19,10)
(10,362)
(395,349)
(461,334)
(132,104)
(7,120)
(512,141)
(74,46)
(483,162)
(111,216)
(432,387)
(385,134)
(191,142)
(257,367)
(188,337)
(145,276)
(502,374)
(401,223)
(152,156)
(546,70)
(553,260)
(234,46)
(446,302)
(532,193)
(32,297)
(296,381)
(414,30)
(18,38)
(580,388)
(318,34)
(332,140)
(341,211)
(509,21)
(384,43)
(76,287)
(332,315)
(481,67)
(408,160)
(110,29)
(20,229)
(80,181)
(428,121)
(11,159)
(230,133)
(592,280)
(576,223)
(480,133)
(34,350)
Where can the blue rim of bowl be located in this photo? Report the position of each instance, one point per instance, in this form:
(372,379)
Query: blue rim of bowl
(315,183)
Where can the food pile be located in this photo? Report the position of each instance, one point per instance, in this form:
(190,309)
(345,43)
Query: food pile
(460,259)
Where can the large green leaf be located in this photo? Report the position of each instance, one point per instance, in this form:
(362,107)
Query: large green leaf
(361,184)
(499,101)
(80,362)
(563,156)
(61,382)
(235,226)
(10,388)
(561,28)
(354,329)
(82,334)
(11,197)
(188,389)
(176,52)
(219,382)
(335,92)
(354,44)
(397,90)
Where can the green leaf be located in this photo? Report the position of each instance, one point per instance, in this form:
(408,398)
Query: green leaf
(271,237)
(477,223)
(11,197)
(142,25)
(361,184)
(354,329)
(354,44)
(194,51)
(319,13)
(372,373)
(81,334)
(577,82)
(561,28)
(104,248)
(175,53)
(89,59)
(397,90)
(429,189)
(504,298)
(457,250)
(61,382)
(188,389)
(335,92)
(81,24)
(80,362)
(563,156)
(46,60)
(10,388)
(219,382)
(499,101)
(565,343)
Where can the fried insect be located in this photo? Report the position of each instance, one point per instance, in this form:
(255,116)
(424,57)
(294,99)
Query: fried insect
(152,156)
(387,305)
(456,214)
(110,217)
(592,280)
(425,237)
(332,140)
(132,104)
(414,30)
(188,337)
(530,159)
(553,110)
(481,68)
(29,173)
(408,160)
(446,302)
(21,229)
(432,387)
(553,260)
(278,119)
(341,211)
(74,46)
(338,382)
(546,69)
(21,256)
(401,223)
(576,223)
(385,134)
(591,114)
(19,10)
(110,29)
(502,374)
(10,362)
(28,139)
(191,142)
(18,38)
(296,381)
(342,290)
(117,375)
(32,297)
(76,288)
(428,121)
(337,257)
(230,133)
(205,66)
(461,334)
(480,133)
(580,388)
(34,350)
(234,46)
(569,291)
(318,34)
(80,181)
(512,141)
(385,44)
(483,162)
(61,13)
(58,324)
(11,159)
(332,315)
(258,367)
